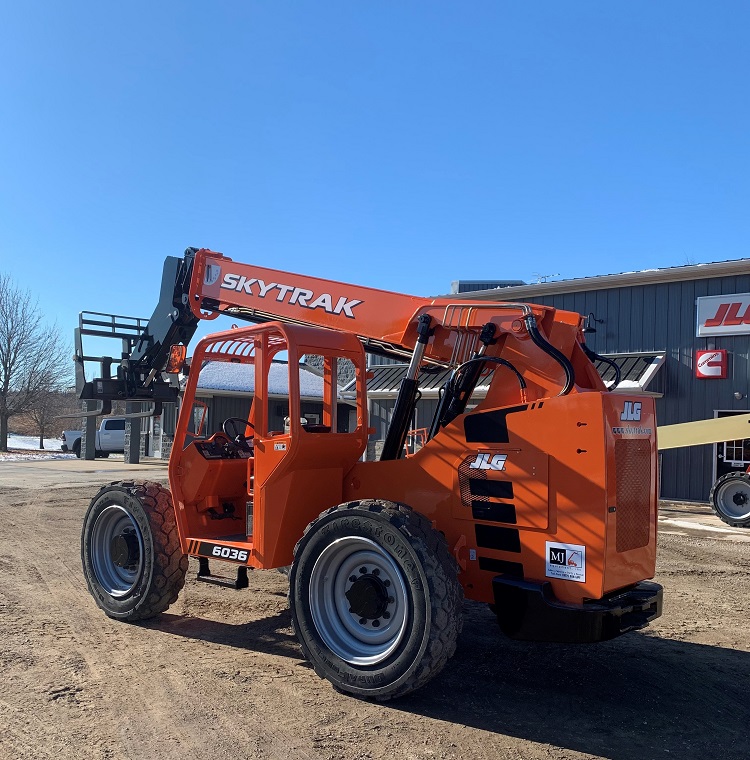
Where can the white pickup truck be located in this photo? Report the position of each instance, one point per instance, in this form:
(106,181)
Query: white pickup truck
(110,437)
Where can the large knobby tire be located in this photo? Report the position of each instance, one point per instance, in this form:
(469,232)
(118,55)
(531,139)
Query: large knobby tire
(730,499)
(375,598)
(130,550)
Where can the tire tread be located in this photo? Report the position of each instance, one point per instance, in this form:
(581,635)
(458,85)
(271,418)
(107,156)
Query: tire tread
(441,571)
(170,564)
(713,498)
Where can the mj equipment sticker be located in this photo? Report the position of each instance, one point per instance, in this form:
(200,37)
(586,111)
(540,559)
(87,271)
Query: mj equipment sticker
(566,561)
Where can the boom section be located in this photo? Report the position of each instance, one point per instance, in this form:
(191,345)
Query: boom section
(542,345)
(385,322)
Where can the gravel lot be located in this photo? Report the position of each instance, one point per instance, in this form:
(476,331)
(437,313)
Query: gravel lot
(220,675)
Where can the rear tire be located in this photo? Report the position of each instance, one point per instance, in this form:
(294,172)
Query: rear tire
(76,448)
(130,550)
(730,499)
(375,598)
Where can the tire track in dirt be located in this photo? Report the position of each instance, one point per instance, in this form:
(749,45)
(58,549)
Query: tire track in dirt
(219,674)
(20,735)
(156,709)
(140,711)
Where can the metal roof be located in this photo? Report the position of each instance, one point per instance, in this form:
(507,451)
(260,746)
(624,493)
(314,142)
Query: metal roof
(637,370)
(622,280)
(387,379)
(467,286)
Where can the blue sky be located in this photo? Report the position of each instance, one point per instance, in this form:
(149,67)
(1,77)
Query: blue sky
(400,145)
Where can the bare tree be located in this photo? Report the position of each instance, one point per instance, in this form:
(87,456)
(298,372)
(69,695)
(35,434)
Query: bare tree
(51,405)
(34,359)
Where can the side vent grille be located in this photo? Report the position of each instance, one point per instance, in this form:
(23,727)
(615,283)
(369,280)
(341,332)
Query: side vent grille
(633,471)
(481,494)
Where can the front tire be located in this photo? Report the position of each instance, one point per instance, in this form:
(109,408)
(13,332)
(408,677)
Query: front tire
(77,447)
(375,598)
(730,499)
(130,550)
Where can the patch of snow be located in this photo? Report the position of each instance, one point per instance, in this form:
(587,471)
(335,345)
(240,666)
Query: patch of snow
(30,443)
(697,526)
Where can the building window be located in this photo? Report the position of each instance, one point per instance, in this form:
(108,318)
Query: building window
(737,453)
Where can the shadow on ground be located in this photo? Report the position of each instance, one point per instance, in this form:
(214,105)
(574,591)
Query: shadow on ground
(269,635)
(634,698)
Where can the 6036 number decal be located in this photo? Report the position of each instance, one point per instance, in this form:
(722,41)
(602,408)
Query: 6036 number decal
(226,553)
(223,552)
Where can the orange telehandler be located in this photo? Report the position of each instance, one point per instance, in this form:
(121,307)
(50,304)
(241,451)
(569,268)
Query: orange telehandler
(539,499)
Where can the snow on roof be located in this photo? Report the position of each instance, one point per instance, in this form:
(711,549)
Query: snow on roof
(240,378)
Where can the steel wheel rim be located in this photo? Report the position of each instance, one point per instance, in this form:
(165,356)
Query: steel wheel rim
(112,522)
(733,499)
(342,629)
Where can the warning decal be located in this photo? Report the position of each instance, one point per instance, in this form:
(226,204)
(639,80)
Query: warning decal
(566,561)
(213,272)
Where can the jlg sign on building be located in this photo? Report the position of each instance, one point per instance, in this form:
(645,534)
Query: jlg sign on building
(723,315)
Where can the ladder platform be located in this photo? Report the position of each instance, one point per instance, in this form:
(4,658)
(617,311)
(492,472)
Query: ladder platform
(205,575)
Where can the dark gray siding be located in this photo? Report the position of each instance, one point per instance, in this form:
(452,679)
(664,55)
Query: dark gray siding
(381,410)
(169,419)
(221,407)
(663,318)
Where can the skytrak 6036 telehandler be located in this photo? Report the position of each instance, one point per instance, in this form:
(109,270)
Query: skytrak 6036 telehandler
(539,499)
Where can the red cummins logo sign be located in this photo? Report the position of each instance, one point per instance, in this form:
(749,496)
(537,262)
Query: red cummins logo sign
(711,364)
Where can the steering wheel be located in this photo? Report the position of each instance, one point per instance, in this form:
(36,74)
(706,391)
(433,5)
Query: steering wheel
(233,424)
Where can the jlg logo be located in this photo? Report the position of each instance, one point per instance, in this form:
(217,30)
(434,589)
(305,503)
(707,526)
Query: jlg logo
(484,462)
(631,412)
(723,315)
(729,314)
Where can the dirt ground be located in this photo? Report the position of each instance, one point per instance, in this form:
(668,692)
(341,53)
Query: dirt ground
(220,675)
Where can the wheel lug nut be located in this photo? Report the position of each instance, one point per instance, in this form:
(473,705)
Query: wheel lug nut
(363,570)
(386,614)
(376,571)
(375,623)
(352,578)
(362,621)
(391,600)
(386,583)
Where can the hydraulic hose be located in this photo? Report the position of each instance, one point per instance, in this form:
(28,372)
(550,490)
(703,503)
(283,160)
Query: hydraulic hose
(548,348)
(493,360)
(447,394)
(593,356)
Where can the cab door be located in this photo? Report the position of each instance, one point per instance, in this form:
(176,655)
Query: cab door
(300,469)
